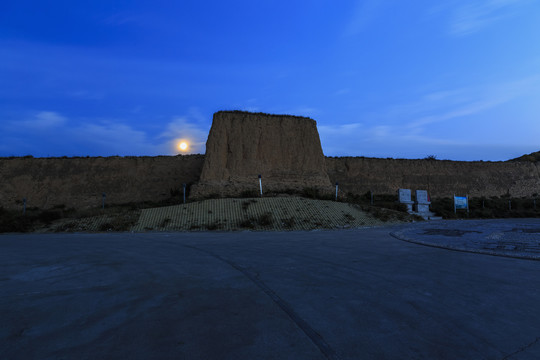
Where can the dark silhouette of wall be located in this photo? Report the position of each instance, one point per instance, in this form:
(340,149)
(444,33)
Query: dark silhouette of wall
(441,177)
(79,182)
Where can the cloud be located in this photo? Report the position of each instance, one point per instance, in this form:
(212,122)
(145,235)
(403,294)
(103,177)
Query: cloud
(110,138)
(343,91)
(42,120)
(52,134)
(452,104)
(477,15)
(468,109)
(85,94)
(181,128)
(362,16)
(408,130)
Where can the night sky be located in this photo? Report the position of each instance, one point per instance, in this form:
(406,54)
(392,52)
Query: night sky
(458,79)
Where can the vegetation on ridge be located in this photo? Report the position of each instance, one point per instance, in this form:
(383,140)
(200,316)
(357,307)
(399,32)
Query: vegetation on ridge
(260,114)
(532,157)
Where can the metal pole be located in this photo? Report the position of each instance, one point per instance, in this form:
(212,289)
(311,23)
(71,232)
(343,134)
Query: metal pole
(24,206)
(103,196)
(184,186)
(336,189)
(260,184)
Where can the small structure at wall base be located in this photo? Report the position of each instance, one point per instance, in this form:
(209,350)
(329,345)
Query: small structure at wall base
(422,201)
(421,205)
(404,196)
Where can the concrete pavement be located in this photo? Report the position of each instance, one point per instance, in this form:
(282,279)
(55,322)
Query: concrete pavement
(351,294)
(518,238)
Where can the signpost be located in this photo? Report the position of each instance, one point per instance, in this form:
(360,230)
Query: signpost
(461,203)
(184,186)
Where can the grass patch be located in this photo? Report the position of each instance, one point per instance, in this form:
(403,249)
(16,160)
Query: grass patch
(249,194)
(488,208)
(214,226)
(288,223)
(247,203)
(349,217)
(263,220)
(247,223)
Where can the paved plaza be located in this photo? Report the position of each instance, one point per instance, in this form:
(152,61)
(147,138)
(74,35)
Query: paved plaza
(347,294)
(518,238)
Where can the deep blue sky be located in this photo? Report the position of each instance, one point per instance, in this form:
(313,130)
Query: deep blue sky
(459,79)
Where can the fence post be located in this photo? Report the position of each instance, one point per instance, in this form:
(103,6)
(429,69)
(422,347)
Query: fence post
(184,186)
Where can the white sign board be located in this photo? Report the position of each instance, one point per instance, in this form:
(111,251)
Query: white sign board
(404,196)
(422,197)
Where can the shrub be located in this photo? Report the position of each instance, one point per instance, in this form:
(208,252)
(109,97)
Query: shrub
(213,226)
(349,217)
(265,219)
(289,222)
(247,223)
(245,204)
(249,194)
(48,216)
(310,192)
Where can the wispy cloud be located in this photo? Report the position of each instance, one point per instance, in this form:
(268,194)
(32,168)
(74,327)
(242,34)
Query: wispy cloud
(42,120)
(103,137)
(85,94)
(477,15)
(408,129)
(452,104)
(362,16)
(182,129)
(113,138)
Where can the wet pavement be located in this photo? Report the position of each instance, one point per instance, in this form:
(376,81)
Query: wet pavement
(348,294)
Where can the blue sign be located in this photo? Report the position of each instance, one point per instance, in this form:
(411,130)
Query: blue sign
(460,202)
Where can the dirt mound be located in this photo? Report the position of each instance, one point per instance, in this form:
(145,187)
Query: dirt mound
(285,150)
(284,213)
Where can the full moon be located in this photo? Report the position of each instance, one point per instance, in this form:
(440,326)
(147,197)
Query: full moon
(183,146)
